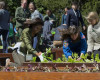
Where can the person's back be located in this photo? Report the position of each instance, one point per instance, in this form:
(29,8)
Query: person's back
(47,26)
(4,19)
(4,25)
(57,42)
(47,29)
(57,36)
(24,46)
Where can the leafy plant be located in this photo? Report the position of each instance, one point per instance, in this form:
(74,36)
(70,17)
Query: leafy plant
(48,50)
(64,59)
(48,57)
(97,58)
(59,60)
(34,59)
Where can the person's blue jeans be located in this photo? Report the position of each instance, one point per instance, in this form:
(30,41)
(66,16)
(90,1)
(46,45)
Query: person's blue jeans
(35,42)
(4,34)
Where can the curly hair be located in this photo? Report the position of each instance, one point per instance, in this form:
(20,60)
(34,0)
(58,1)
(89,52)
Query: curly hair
(34,22)
(66,33)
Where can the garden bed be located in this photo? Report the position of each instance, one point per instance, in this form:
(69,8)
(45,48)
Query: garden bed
(52,71)
(48,76)
(59,64)
(59,69)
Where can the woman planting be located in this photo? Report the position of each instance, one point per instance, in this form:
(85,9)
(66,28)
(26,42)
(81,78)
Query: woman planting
(93,33)
(73,42)
(34,26)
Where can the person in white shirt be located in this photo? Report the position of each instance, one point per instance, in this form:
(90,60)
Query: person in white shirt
(93,33)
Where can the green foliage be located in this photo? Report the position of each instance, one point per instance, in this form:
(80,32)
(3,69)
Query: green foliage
(56,6)
(48,57)
(71,60)
(45,60)
(53,32)
(84,56)
(59,60)
(34,59)
(75,55)
(64,59)
(92,56)
(48,50)
(97,58)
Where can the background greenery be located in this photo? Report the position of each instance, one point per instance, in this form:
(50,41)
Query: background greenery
(57,6)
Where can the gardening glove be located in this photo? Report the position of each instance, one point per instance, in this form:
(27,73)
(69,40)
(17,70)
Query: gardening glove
(41,57)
